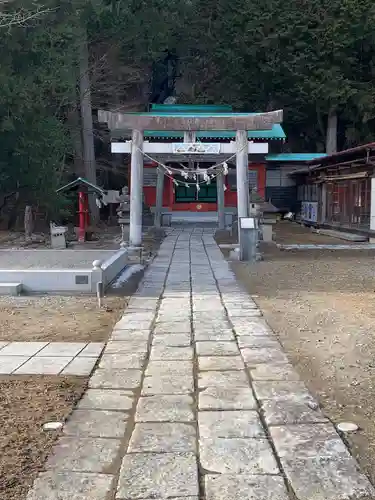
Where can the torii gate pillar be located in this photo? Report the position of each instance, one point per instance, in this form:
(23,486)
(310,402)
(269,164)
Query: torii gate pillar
(242,172)
(136,190)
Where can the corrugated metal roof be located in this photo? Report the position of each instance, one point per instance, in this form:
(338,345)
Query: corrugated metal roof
(295,156)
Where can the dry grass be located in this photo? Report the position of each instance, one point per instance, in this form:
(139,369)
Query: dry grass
(25,405)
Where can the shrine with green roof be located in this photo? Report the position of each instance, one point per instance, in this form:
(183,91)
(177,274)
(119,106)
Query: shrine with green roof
(268,165)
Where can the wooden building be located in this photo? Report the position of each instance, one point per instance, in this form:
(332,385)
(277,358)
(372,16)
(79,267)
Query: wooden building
(336,190)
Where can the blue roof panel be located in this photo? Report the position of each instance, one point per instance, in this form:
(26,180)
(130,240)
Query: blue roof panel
(294,156)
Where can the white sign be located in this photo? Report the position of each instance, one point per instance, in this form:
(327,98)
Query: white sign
(247,222)
(189,148)
(309,211)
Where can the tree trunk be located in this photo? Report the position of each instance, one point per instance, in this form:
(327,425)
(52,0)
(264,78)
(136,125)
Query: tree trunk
(86,122)
(28,222)
(331,138)
(75,126)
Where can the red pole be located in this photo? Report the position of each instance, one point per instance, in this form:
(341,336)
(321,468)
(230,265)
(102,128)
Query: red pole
(87,210)
(82,217)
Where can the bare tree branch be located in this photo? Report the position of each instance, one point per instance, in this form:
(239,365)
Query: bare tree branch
(20,17)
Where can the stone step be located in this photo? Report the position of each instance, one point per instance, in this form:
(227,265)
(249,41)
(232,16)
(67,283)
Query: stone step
(10,288)
(342,235)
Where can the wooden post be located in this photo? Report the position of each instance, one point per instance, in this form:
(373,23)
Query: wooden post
(136,189)
(159,197)
(242,173)
(220,200)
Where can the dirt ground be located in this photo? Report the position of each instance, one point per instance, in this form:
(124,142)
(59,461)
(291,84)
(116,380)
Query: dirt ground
(58,319)
(322,307)
(25,405)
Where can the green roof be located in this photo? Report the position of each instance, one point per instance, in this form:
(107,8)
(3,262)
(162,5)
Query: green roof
(191,108)
(276,132)
(294,156)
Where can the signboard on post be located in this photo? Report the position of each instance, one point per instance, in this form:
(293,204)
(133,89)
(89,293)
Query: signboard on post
(248,232)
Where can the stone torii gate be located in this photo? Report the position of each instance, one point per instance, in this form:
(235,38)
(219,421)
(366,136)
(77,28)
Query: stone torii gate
(241,123)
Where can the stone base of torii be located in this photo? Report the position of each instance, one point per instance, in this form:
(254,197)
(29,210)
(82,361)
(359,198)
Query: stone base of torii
(241,123)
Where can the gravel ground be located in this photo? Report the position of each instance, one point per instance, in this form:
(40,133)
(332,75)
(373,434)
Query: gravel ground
(25,405)
(322,307)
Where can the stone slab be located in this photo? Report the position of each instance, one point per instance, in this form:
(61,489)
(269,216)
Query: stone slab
(231,398)
(162,437)
(130,316)
(172,340)
(43,366)
(8,364)
(284,371)
(131,335)
(83,454)
(218,363)
(289,411)
(123,347)
(152,475)
(122,361)
(172,327)
(245,487)
(223,379)
(214,334)
(230,424)
(53,485)
(159,367)
(282,390)
(93,349)
(174,408)
(80,366)
(261,355)
(3,344)
(167,384)
(165,353)
(237,456)
(22,348)
(318,465)
(96,423)
(134,325)
(56,349)
(251,327)
(255,341)
(218,348)
(106,399)
(111,379)
(244,313)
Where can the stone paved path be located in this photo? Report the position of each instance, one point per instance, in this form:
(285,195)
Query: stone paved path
(49,358)
(195,398)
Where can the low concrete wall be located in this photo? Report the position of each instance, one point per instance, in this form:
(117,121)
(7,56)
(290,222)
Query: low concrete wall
(112,267)
(67,280)
(49,280)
